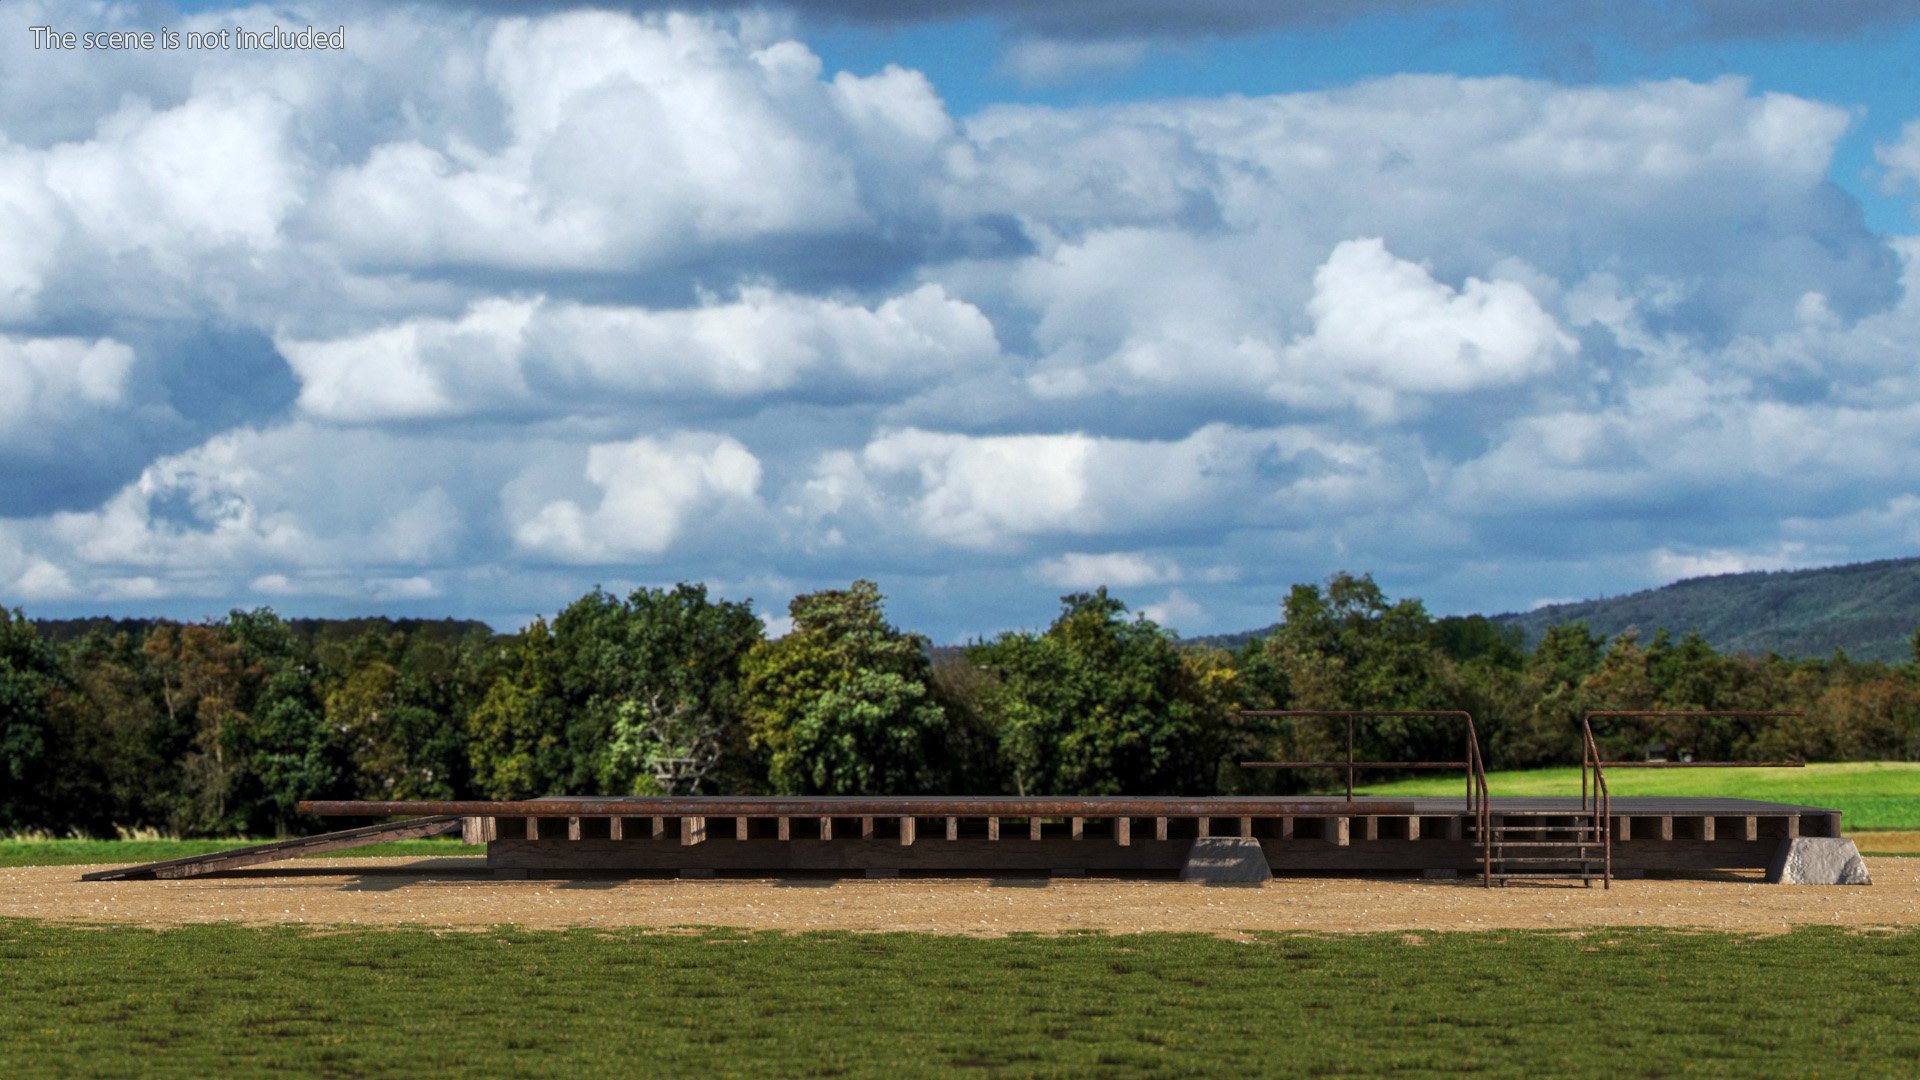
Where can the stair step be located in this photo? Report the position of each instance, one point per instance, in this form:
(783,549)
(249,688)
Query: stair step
(1531,877)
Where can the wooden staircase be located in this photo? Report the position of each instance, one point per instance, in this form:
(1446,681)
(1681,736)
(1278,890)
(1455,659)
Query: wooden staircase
(1538,847)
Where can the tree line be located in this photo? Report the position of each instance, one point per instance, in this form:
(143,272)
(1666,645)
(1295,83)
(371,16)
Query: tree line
(222,727)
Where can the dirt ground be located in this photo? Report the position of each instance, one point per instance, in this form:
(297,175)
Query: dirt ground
(460,892)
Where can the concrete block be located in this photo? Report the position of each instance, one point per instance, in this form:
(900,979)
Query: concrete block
(1226,858)
(1817,860)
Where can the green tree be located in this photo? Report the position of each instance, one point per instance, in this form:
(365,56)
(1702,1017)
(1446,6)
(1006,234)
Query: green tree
(516,742)
(29,672)
(1101,704)
(843,704)
(670,667)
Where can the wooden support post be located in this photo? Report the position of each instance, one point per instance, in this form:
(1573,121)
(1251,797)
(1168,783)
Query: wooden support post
(1123,831)
(1666,827)
(1286,828)
(573,828)
(1033,828)
(1246,828)
(1205,827)
(1413,828)
(533,828)
(1833,824)
(1622,828)
(616,828)
(1337,831)
(993,828)
(1456,827)
(907,829)
(1750,828)
(1079,828)
(1159,828)
(1369,828)
(826,828)
(866,828)
(1793,826)
(1706,828)
(693,830)
(786,828)
(739,828)
(953,828)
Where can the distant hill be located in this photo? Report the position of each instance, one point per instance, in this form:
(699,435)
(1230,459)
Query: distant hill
(1868,609)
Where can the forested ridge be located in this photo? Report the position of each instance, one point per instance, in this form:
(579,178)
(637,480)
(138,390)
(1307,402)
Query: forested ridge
(1866,610)
(221,727)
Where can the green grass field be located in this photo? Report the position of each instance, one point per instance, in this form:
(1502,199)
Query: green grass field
(231,1002)
(1872,794)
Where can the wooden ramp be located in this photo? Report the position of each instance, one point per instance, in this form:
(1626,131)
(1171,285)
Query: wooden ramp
(216,861)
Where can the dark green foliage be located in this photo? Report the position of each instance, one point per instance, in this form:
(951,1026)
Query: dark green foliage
(1101,704)
(29,672)
(844,703)
(508,1003)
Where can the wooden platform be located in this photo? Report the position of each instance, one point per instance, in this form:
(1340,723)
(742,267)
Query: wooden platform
(1124,835)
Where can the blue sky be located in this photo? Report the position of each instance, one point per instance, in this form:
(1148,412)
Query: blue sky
(1504,303)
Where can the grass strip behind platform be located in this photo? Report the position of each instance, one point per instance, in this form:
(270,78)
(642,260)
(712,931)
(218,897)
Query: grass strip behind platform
(1871,794)
(216,1000)
(87,852)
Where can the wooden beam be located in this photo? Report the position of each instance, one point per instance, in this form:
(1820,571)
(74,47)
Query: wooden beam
(1706,829)
(953,828)
(1286,828)
(1079,828)
(826,828)
(786,828)
(739,828)
(194,865)
(866,828)
(616,828)
(1338,828)
(1833,824)
(1456,827)
(1159,828)
(573,828)
(1206,827)
(1413,828)
(659,828)
(1033,828)
(1369,828)
(1750,828)
(1246,828)
(533,828)
(1666,827)
(907,829)
(693,830)
(1622,828)
(1793,826)
(1123,831)
(993,828)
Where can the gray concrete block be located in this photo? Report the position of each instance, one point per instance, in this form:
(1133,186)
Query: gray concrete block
(1226,858)
(1818,860)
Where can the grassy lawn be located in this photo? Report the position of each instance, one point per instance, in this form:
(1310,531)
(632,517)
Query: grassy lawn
(82,852)
(218,1000)
(1872,794)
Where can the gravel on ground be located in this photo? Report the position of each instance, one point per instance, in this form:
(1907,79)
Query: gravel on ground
(459,892)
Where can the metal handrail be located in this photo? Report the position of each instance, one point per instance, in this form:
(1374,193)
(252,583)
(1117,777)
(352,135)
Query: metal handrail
(1479,802)
(1602,800)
